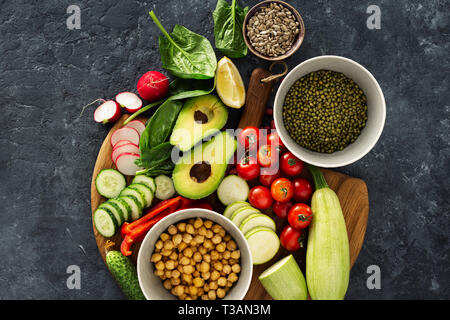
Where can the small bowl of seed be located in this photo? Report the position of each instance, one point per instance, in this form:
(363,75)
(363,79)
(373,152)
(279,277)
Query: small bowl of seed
(273,30)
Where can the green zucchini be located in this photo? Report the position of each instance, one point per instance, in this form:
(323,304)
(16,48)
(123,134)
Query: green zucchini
(327,254)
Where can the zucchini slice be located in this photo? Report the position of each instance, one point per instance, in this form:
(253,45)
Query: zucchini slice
(110,183)
(240,214)
(232,188)
(257,220)
(263,243)
(230,209)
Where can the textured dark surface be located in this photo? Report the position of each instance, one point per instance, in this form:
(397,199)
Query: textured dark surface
(48,72)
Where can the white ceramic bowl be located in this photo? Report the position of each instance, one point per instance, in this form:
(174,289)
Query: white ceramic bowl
(152,286)
(376,112)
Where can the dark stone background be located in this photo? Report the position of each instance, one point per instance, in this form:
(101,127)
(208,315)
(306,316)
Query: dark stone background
(48,72)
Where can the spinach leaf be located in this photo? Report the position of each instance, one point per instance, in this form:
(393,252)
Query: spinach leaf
(185,88)
(160,125)
(228,23)
(186,54)
(158,157)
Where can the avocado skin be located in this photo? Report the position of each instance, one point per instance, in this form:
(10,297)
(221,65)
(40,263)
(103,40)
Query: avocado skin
(125,274)
(185,186)
(187,131)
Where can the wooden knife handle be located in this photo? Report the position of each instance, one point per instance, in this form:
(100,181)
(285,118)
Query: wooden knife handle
(258,94)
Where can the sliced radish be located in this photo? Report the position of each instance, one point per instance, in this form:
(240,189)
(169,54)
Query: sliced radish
(124,148)
(137,124)
(125,163)
(121,142)
(125,133)
(129,100)
(109,111)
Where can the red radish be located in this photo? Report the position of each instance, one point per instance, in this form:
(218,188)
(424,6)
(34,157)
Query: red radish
(121,142)
(124,148)
(130,101)
(108,111)
(125,163)
(125,133)
(136,124)
(152,86)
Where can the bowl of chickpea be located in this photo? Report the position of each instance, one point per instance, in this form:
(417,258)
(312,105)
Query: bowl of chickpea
(194,254)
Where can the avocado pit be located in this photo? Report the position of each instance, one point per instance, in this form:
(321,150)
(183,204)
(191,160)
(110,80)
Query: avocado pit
(200,171)
(200,117)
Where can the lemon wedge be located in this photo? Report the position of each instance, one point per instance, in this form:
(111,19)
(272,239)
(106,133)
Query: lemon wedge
(229,86)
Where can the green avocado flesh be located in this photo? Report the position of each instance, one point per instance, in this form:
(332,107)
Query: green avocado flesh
(200,117)
(199,172)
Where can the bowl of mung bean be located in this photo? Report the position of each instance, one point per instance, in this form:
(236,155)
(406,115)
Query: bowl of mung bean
(329,111)
(273,30)
(194,254)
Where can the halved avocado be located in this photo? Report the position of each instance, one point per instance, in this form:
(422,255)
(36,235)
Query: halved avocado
(199,172)
(200,117)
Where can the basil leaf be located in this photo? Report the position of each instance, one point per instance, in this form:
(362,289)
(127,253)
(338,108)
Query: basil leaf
(160,125)
(186,54)
(228,24)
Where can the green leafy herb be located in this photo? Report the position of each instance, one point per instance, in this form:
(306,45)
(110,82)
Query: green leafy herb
(157,158)
(228,23)
(186,54)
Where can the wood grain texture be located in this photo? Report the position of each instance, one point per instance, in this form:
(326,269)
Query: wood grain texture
(352,192)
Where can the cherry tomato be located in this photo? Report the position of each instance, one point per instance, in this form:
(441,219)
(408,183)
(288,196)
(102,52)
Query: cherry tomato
(282,190)
(259,197)
(292,239)
(249,137)
(300,216)
(274,140)
(267,177)
(291,165)
(267,156)
(281,209)
(302,190)
(248,168)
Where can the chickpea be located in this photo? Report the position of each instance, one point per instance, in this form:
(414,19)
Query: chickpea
(175,274)
(226,269)
(202,250)
(167,284)
(175,281)
(156,257)
(188,269)
(206,287)
(167,273)
(214,255)
(229,284)
(207,258)
(172,230)
(159,273)
(222,281)
(233,261)
(159,244)
(199,239)
(215,275)
(197,257)
(222,232)
(209,234)
(192,262)
(190,228)
(168,244)
(233,277)
(218,266)
(236,254)
(188,252)
(212,295)
(198,223)
(231,245)
(221,293)
(179,290)
(173,256)
(208,244)
(221,247)
(202,231)
(213,285)
(216,239)
(224,261)
(227,237)
(187,238)
(236,268)
(177,239)
(191,221)
(181,227)
(193,290)
(164,236)
(196,274)
(226,254)
(200,291)
(182,246)
(205,297)
(170,265)
(180,268)
(166,252)
(198,282)
(186,278)
(206,275)
(159,266)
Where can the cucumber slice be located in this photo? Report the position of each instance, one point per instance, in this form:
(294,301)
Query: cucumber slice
(115,210)
(284,280)
(232,188)
(164,187)
(148,181)
(110,183)
(123,206)
(257,220)
(230,209)
(104,222)
(135,205)
(146,191)
(136,193)
(240,214)
(263,243)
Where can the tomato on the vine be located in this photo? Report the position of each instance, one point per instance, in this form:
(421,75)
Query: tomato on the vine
(267,156)
(302,190)
(281,209)
(282,190)
(267,176)
(249,138)
(300,216)
(290,164)
(292,239)
(259,197)
(248,168)
(274,140)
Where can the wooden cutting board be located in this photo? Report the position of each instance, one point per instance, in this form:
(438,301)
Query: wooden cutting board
(352,192)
